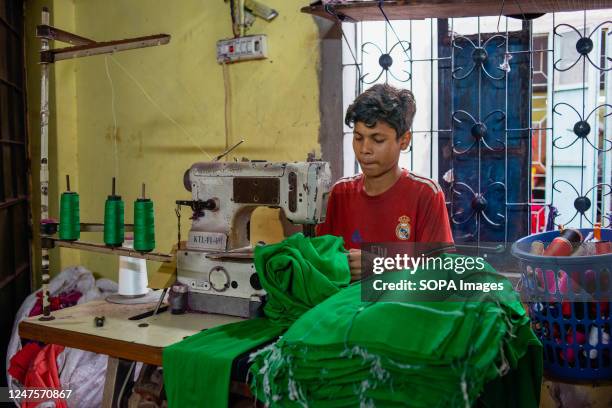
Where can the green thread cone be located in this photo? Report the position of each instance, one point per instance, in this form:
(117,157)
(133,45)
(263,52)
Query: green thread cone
(114,228)
(144,225)
(70,222)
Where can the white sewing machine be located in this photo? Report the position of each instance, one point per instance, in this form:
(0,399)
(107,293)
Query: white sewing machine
(217,264)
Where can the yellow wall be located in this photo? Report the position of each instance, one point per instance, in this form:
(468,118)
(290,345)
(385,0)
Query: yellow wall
(273,105)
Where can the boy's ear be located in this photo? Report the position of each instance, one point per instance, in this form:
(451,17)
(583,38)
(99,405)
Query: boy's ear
(405,140)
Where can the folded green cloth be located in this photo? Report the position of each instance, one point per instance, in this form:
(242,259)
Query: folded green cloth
(297,274)
(349,353)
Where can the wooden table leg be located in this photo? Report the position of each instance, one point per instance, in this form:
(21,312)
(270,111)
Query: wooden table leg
(119,373)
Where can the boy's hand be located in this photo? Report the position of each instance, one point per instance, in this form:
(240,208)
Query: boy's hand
(354,258)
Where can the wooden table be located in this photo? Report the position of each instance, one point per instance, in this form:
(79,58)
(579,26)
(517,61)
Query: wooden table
(123,340)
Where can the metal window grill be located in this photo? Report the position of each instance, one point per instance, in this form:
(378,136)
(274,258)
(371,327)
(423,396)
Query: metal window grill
(513,115)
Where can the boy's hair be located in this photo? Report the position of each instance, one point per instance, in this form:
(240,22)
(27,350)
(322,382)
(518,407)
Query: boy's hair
(396,107)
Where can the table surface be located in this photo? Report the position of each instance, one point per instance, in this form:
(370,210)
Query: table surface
(136,340)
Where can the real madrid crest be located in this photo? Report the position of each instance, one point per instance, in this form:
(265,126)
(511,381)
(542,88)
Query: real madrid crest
(402,231)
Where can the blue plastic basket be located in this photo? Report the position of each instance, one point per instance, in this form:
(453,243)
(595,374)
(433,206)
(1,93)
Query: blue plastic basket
(569,303)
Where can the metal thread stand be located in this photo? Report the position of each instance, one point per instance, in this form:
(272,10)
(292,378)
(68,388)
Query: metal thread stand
(81,47)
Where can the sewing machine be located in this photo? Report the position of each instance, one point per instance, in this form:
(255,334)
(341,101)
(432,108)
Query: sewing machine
(217,264)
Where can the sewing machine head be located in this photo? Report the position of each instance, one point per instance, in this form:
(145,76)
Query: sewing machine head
(231,191)
(224,195)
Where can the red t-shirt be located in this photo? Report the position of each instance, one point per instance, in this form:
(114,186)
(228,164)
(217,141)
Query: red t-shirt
(412,210)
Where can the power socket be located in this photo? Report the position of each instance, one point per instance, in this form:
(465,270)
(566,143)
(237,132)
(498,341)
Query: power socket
(251,47)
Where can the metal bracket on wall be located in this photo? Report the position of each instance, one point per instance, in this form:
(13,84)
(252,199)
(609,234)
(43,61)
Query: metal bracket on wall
(84,47)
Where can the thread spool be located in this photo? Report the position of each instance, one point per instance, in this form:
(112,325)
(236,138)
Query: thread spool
(585,249)
(133,280)
(537,248)
(70,221)
(178,298)
(601,247)
(144,223)
(564,244)
(114,228)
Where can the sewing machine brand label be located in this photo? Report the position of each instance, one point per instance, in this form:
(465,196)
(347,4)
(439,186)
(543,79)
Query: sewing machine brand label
(207,240)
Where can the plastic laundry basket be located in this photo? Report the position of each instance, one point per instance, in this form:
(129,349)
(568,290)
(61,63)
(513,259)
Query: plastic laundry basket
(569,302)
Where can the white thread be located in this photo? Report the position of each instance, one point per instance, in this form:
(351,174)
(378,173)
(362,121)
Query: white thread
(228,105)
(115,147)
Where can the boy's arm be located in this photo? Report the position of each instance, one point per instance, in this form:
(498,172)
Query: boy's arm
(434,225)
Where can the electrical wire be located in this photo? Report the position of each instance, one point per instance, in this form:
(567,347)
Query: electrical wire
(520,9)
(233,16)
(329,9)
(401,43)
(501,12)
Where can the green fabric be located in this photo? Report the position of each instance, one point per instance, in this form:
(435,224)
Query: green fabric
(297,274)
(197,370)
(346,353)
(521,386)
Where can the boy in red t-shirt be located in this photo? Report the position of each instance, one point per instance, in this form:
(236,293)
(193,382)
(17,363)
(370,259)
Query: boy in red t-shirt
(385,203)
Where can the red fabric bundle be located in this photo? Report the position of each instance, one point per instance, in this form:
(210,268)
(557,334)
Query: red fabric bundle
(22,360)
(43,374)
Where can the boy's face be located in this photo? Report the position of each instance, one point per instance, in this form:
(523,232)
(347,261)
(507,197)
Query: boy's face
(377,149)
